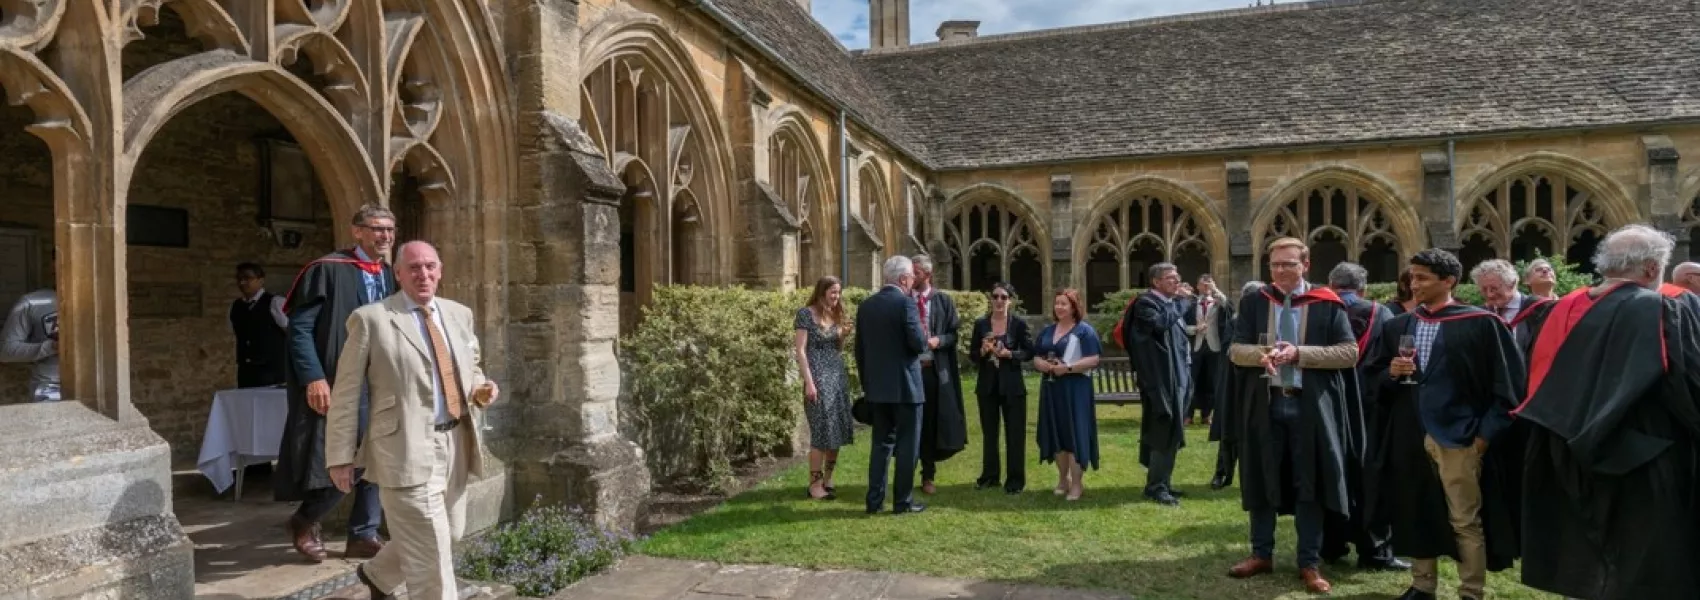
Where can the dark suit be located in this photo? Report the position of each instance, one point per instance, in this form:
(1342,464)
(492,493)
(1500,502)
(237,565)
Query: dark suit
(1002,392)
(889,343)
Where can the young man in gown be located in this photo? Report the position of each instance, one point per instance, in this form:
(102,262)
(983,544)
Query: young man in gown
(1295,428)
(1611,510)
(1437,471)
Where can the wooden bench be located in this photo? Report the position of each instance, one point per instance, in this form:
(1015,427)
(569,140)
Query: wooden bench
(1114,382)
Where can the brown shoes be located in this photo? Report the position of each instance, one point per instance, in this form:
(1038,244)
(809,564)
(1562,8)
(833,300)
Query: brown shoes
(307,539)
(1251,567)
(1314,581)
(363,548)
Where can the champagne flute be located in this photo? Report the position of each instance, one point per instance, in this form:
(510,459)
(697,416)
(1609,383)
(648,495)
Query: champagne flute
(1408,350)
(1267,345)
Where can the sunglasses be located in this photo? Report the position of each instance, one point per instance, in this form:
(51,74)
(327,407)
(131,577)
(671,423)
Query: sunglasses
(1000,297)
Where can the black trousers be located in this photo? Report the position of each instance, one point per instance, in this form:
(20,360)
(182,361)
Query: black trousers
(1203,401)
(896,435)
(248,376)
(1012,411)
(929,423)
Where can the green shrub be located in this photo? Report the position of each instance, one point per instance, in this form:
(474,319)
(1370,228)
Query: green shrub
(713,380)
(546,550)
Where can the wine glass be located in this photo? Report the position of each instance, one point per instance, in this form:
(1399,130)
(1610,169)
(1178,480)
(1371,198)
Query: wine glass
(1267,345)
(1408,349)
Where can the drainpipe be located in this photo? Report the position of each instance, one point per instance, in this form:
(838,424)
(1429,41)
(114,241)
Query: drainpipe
(1451,185)
(843,199)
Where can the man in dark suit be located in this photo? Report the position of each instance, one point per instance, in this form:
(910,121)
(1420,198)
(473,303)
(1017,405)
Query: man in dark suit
(889,343)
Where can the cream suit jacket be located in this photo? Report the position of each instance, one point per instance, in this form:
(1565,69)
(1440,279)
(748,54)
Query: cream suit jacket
(387,351)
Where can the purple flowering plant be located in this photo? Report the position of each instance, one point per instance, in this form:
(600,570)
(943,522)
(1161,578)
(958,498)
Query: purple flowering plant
(548,548)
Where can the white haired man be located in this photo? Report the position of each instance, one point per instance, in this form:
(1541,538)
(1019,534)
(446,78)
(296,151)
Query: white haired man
(889,343)
(1608,500)
(1523,313)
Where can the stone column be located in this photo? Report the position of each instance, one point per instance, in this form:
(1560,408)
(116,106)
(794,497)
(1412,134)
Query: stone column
(1438,203)
(1242,257)
(564,443)
(1062,237)
(944,266)
(765,228)
(1658,198)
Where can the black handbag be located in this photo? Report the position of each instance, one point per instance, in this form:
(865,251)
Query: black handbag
(861,411)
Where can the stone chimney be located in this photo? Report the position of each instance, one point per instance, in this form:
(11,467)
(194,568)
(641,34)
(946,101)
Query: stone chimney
(888,24)
(806,7)
(958,30)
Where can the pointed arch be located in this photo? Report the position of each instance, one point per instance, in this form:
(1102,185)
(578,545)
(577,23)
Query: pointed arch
(645,43)
(1349,213)
(799,173)
(1541,203)
(1690,195)
(875,201)
(1146,215)
(994,234)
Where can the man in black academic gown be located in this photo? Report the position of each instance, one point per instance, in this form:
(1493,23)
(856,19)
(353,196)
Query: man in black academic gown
(1611,509)
(1295,428)
(1438,474)
(319,302)
(944,424)
(1375,550)
(1523,313)
(1685,279)
(1228,410)
(1159,350)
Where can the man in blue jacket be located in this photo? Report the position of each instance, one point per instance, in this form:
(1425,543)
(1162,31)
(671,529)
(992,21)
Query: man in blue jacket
(889,343)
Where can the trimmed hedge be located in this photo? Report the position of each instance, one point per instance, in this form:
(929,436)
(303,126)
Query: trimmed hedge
(712,378)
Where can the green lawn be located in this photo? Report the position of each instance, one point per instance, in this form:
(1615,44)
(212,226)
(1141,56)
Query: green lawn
(1111,539)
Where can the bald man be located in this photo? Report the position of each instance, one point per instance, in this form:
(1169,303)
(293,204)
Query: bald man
(1687,275)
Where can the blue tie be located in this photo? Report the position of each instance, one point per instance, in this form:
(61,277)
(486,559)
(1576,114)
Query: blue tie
(1288,331)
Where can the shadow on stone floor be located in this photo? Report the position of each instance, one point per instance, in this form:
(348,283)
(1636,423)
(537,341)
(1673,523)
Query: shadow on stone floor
(242,548)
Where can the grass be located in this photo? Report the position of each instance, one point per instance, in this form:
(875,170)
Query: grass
(1110,539)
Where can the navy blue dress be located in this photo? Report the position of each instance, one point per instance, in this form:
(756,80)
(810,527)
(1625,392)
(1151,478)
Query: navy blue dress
(1068,419)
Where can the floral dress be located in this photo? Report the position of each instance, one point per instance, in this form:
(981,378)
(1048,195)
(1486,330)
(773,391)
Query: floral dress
(830,425)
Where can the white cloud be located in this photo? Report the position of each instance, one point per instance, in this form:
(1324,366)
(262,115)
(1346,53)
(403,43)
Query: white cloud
(848,19)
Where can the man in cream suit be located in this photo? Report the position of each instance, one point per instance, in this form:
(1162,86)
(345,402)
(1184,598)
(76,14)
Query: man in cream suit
(1207,359)
(418,354)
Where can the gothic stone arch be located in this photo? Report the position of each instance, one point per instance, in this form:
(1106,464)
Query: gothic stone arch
(1542,203)
(1141,222)
(1343,213)
(992,234)
(800,175)
(1691,216)
(645,108)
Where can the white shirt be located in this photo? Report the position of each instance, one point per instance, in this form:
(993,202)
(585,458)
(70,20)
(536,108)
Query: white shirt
(442,414)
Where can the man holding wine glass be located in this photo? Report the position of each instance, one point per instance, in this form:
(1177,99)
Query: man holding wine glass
(1445,375)
(1295,391)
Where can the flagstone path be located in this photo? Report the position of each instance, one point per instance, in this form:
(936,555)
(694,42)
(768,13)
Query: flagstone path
(646,578)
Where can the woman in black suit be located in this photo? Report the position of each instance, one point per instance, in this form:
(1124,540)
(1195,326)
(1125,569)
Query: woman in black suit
(1003,344)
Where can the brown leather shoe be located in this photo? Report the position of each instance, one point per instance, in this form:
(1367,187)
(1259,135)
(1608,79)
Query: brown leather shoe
(1251,567)
(307,539)
(1314,581)
(927,488)
(363,547)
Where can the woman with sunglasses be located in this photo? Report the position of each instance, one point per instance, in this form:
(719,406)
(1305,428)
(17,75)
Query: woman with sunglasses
(1002,345)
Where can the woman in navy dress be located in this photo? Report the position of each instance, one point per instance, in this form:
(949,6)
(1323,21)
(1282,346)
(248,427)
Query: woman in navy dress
(1068,419)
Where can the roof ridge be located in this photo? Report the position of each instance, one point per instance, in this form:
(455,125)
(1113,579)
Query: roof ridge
(1226,13)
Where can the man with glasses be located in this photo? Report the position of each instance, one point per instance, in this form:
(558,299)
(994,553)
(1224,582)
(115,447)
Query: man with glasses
(259,324)
(322,297)
(1496,279)
(1160,352)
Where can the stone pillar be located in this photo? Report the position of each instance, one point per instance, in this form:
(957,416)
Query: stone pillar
(564,443)
(1438,204)
(1659,201)
(1062,236)
(1242,257)
(765,226)
(944,267)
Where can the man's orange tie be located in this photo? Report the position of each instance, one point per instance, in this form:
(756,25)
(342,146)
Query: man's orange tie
(445,365)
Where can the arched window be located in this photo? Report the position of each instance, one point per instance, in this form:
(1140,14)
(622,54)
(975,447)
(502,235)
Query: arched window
(1140,231)
(1540,213)
(796,177)
(1340,223)
(988,243)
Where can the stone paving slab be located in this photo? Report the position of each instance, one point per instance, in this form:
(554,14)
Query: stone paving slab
(648,578)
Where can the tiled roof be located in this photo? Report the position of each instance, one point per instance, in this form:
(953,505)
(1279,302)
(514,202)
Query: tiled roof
(1335,71)
(820,61)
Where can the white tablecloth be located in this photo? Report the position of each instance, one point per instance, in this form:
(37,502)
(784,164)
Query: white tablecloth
(245,427)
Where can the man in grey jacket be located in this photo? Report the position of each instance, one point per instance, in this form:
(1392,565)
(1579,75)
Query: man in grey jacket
(31,335)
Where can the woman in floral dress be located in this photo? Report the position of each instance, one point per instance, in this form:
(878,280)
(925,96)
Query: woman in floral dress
(821,327)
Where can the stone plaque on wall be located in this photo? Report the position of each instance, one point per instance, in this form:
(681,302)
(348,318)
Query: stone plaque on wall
(164,300)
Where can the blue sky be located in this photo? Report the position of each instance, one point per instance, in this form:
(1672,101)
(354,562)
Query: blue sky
(848,19)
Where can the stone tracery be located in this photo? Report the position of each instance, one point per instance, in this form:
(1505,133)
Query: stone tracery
(1540,213)
(796,174)
(1340,223)
(989,242)
(1140,231)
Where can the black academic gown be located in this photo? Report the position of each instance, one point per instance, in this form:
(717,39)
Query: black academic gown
(1366,319)
(1323,469)
(325,292)
(1220,376)
(1161,354)
(1612,503)
(1529,319)
(1402,486)
(944,426)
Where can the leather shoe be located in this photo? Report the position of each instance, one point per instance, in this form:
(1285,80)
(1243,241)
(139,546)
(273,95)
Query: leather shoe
(1416,594)
(363,547)
(371,588)
(985,483)
(913,508)
(1391,564)
(1251,567)
(1314,581)
(1218,482)
(307,539)
(1164,498)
